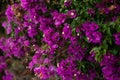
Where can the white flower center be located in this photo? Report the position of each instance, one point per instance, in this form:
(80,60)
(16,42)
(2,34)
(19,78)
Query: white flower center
(78,34)
(72,13)
(67,26)
(65,1)
(63,33)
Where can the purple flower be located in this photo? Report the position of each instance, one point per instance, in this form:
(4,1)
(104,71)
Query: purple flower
(91,31)
(32,31)
(35,59)
(35,9)
(114,18)
(77,51)
(110,67)
(78,29)
(67,31)
(9,13)
(45,23)
(91,74)
(109,58)
(38,59)
(117,38)
(3,65)
(91,11)
(94,37)
(48,34)
(55,37)
(8,76)
(67,69)
(89,26)
(26,43)
(7,26)
(91,57)
(104,11)
(107,71)
(51,38)
(43,72)
(81,75)
(67,3)
(72,13)
(36,4)
(74,40)
(59,18)
(13,47)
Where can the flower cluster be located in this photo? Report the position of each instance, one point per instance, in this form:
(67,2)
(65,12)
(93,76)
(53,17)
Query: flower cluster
(13,47)
(51,35)
(8,76)
(68,3)
(3,69)
(111,67)
(91,31)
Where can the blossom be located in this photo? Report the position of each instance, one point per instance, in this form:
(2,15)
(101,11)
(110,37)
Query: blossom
(55,37)
(91,31)
(91,11)
(34,9)
(67,32)
(94,37)
(7,76)
(7,26)
(9,13)
(45,36)
(3,64)
(43,72)
(32,4)
(13,47)
(90,26)
(110,67)
(59,18)
(77,51)
(67,3)
(45,23)
(91,57)
(32,31)
(117,38)
(48,34)
(26,43)
(72,13)
(66,69)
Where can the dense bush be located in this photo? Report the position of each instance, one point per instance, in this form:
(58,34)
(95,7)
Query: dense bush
(60,40)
